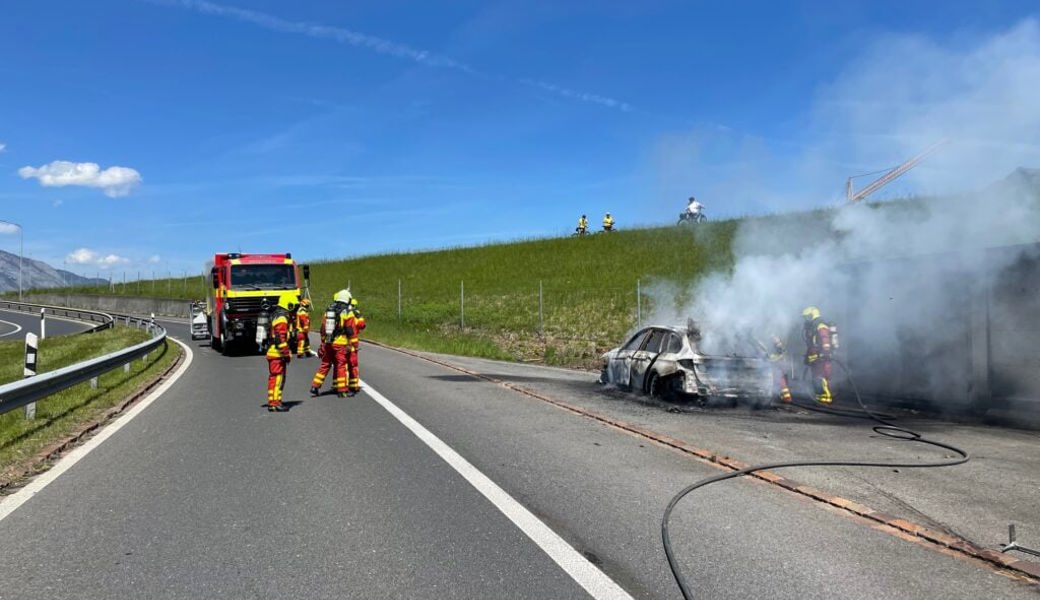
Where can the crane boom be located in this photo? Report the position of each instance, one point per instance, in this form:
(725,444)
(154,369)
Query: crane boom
(893,174)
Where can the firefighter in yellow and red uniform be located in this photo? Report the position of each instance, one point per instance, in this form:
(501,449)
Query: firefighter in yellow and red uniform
(303,328)
(777,356)
(818,352)
(279,352)
(336,330)
(358,325)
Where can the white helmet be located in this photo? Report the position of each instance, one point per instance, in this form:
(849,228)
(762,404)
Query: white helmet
(342,296)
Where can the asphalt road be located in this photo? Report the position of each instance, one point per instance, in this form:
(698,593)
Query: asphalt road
(16,324)
(206,494)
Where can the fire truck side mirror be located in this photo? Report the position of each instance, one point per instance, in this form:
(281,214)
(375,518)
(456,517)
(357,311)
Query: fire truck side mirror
(216,278)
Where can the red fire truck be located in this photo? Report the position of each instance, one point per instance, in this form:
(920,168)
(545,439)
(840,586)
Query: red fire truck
(245,286)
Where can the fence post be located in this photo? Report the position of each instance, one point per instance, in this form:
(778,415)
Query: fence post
(639,304)
(43,323)
(462,303)
(31,352)
(398,299)
(541,317)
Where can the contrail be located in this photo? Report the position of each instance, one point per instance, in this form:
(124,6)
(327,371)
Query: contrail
(375,44)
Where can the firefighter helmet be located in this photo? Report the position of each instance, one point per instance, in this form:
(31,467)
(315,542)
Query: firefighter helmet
(286,301)
(811,313)
(342,296)
(305,302)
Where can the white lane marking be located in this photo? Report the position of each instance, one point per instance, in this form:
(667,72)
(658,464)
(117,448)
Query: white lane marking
(587,575)
(11,503)
(17,328)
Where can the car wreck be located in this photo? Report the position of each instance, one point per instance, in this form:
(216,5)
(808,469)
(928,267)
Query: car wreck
(675,363)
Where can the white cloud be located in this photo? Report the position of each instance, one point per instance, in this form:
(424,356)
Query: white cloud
(3,147)
(81,256)
(154,259)
(86,256)
(114,181)
(112,260)
(8,229)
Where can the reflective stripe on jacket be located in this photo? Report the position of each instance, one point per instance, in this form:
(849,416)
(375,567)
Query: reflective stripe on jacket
(280,337)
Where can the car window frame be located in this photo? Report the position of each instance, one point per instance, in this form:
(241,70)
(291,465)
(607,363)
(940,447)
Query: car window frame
(674,345)
(655,335)
(640,336)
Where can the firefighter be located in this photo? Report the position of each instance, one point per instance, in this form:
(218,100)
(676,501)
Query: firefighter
(818,352)
(336,331)
(278,351)
(776,356)
(358,325)
(608,222)
(583,225)
(303,328)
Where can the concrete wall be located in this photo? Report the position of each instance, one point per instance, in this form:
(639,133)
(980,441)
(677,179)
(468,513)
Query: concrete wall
(121,304)
(982,352)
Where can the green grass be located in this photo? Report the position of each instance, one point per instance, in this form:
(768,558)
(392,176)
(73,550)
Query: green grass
(60,414)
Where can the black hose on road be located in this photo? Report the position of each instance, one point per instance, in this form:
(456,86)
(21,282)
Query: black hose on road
(884,427)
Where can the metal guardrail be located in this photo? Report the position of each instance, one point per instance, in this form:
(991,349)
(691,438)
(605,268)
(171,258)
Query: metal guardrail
(19,393)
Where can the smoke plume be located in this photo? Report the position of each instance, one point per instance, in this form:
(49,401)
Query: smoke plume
(912,279)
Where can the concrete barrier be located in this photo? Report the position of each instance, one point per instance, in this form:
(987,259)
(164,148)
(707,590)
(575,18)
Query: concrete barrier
(167,307)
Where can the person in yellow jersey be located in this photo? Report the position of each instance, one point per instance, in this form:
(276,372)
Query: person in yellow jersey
(608,222)
(279,353)
(583,225)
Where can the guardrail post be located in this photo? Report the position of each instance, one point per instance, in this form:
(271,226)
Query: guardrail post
(93,383)
(126,368)
(43,323)
(31,352)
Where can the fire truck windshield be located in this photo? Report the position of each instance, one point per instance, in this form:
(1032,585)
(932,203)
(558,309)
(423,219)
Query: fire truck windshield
(263,277)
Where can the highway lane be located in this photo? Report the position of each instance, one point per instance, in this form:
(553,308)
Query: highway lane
(30,322)
(605,491)
(207,494)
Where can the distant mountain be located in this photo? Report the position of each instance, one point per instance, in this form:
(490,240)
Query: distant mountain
(37,274)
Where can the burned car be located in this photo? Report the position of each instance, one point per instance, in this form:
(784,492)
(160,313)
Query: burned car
(669,362)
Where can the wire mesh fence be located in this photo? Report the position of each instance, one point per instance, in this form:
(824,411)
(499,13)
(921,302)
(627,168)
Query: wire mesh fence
(547,320)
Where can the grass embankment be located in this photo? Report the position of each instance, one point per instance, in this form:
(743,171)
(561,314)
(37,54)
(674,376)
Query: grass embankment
(484,301)
(61,414)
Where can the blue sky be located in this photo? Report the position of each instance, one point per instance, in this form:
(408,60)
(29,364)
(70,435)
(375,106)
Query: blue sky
(331,129)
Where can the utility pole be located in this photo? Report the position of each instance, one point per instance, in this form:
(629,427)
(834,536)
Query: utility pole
(21,254)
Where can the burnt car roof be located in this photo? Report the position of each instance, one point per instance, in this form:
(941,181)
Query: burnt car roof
(743,345)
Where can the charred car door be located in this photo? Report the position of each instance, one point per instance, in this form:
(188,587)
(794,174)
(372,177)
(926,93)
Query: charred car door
(621,363)
(645,356)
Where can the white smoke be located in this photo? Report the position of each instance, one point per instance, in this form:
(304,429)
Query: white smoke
(902,95)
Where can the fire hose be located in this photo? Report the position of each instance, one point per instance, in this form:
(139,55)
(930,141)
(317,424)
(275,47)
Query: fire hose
(884,427)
